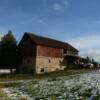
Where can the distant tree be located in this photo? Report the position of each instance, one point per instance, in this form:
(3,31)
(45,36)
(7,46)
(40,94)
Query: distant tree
(94,63)
(88,59)
(93,60)
(9,51)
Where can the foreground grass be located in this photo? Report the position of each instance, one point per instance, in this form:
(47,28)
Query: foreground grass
(4,96)
(9,84)
(73,87)
(5,79)
(66,72)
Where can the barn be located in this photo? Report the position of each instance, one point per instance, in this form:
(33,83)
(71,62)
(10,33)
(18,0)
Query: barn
(40,54)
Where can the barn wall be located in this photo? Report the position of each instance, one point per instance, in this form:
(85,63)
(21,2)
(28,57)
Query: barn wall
(27,48)
(28,65)
(49,64)
(27,52)
(45,51)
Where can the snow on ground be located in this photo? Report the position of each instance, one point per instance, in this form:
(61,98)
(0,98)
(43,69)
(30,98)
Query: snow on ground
(76,87)
(4,71)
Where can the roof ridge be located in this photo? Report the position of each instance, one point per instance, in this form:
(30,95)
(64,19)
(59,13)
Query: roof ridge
(38,39)
(45,37)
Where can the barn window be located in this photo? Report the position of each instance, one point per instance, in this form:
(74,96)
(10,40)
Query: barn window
(65,51)
(60,61)
(42,69)
(49,61)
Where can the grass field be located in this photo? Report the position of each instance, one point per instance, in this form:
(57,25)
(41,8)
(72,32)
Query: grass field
(75,85)
(11,80)
(15,77)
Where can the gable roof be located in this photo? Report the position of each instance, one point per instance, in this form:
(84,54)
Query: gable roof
(40,40)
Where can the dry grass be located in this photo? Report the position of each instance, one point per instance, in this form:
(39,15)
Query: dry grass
(66,72)
(63,73)
(17,77)
(9,84)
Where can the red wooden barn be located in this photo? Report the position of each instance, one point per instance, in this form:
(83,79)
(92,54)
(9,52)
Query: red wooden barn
(41,54)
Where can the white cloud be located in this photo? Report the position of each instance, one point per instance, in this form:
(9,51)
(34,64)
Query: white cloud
(92,53)
(56,5)
(33,19)
(65,2)
(3,29)
(88,46)
(60,5)
(41,21)
(86,42)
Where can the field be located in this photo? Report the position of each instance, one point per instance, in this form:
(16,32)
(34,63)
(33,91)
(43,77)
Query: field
(84,86)
(15,77)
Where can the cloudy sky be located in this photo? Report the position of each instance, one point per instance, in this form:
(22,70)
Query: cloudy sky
(73,21)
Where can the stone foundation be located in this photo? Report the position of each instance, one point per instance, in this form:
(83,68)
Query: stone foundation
(28,65)
(41,65)
(48,64)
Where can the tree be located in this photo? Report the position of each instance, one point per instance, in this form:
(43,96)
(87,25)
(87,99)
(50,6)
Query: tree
(9,51)
(93,60)
(88,59)
(94,63)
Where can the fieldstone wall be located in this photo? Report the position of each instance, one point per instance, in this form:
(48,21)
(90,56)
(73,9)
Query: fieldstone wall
(28,65)
(41,64)
(49,64)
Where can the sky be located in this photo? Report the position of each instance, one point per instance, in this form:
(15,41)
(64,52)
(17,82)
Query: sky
(74,21)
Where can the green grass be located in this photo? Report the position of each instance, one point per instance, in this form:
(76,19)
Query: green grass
(52,75)
(16,77)
(66,72)
(3,96)
(6,85)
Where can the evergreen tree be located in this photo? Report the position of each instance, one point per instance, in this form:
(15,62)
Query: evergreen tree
(88,59)
(93,60)
(94,63)
(9,51)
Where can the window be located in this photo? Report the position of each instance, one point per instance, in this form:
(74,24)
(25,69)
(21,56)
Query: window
(42,69)
(49,61)
(65,51)
(60,61)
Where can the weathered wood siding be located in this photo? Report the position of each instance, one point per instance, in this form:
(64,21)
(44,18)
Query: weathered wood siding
(27,48)
(49,51)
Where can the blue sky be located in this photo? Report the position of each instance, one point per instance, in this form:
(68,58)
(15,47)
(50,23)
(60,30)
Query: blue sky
(73,21)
